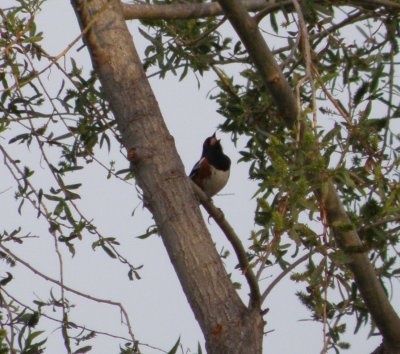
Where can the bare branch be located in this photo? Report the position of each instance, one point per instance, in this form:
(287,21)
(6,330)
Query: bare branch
(384,220)
(273,78)
(187,11)
(282,275)
(306,51)
(386,3)
(76,325)
(76,292)
(237,245)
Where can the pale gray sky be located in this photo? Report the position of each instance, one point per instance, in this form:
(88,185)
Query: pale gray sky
(158,310)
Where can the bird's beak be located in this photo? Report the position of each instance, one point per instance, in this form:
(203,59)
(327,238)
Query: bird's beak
(214,139)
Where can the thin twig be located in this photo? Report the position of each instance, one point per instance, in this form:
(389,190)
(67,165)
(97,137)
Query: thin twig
(382,221)
(76,325)
(60,55)
(4,304)
(270,8)
(283,274)
(334,101)
(305,48)
(76,292)
(385,3)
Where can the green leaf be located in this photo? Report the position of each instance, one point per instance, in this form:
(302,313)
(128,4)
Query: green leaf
(133,272)
(316,274)
(59,208)
(155,41)
(376,124)
(85,349)
(21,138)
(373,85)
(340,257)
(96,244)
(175,347)
(152,230)
(32,336)
(73,186)
(361,91)
(108,251)
(6,280)
(273,22)
(53,198)
(361,30)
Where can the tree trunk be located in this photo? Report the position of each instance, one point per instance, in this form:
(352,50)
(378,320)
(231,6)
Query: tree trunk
(227,324)
(386,349)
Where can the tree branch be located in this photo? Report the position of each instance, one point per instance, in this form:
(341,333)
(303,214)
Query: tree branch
(383,349)
(237,245)
(84,328)
(283,274)
(347,239)
(186,11)
(377,3)
(263,59)
(76,292)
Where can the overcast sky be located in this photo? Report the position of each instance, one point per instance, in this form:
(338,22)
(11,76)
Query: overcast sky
(157,307)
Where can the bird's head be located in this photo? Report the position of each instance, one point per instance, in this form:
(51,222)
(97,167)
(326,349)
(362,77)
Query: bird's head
(211,144)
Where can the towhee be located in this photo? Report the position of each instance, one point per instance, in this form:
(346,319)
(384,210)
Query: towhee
(211,172)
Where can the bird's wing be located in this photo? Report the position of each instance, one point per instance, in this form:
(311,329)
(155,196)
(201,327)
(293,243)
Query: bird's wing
(196,168)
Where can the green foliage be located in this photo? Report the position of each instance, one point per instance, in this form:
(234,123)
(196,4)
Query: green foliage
(20,328)
(351,109)
(128,349)
(356,100)
(77,123)
(61,129)
(181,46)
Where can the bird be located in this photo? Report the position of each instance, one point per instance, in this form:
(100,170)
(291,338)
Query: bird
(211,172)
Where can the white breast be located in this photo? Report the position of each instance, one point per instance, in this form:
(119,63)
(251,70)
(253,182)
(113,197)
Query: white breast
(216,182)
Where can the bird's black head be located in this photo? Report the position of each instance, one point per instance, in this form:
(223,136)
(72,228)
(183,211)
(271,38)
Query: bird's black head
(212,150)
(211,145)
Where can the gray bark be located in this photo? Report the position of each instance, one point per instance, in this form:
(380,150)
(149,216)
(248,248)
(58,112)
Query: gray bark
(228,325)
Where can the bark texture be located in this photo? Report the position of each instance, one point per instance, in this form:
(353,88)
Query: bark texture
(384,349)
(182,11)
(228,325)
(185,11)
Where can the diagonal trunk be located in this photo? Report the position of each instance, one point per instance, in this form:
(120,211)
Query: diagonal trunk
(228,325)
